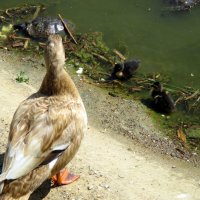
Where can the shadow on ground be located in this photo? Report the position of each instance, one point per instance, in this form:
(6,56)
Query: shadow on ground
(42,191)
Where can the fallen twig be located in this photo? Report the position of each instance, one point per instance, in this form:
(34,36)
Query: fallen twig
(18,37)
(2,47)
(17,44)
(104,73)
(67,29)
(37,11)
(178,100)
(6,11)
(102,58)
(42,44)
(119,54)
(26,43)
(193,95)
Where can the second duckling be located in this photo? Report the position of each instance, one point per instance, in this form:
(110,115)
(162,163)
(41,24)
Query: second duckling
(162,100)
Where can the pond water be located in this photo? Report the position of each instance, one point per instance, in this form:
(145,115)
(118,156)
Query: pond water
(164,42)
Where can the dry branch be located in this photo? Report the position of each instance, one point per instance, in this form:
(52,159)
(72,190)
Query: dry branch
(37,11)
(193,95)
(119,54)
(18,37)
(102,58)
(67,29)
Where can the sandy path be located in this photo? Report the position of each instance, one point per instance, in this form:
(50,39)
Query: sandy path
(111,167)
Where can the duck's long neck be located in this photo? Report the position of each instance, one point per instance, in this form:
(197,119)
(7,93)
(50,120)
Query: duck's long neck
(58,82)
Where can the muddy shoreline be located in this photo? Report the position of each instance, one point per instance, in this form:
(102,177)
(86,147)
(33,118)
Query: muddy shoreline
(112,160)
(125,117)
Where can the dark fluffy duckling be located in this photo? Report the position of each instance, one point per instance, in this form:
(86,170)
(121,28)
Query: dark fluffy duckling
(125,71)
(42,27)
(162,100)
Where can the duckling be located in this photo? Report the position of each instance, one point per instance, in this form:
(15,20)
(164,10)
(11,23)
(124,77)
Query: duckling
(41,27)
(162,100)
(46,131)
(125,71)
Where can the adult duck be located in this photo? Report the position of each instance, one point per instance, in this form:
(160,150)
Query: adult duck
(46,131)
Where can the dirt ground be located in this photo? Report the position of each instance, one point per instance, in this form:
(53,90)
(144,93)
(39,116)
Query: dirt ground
(122,155)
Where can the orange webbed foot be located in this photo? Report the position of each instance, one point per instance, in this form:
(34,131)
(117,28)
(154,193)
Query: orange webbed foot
(64,177)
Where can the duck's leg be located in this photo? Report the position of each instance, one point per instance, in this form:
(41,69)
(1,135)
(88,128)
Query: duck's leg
(64,177)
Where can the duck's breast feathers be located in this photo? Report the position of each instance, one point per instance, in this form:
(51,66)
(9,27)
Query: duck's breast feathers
(40,127)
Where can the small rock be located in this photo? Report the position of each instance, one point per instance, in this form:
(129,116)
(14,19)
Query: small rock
(173,166)
(173,154)
(90,172)
(182,196)
(90,187)
(105,186)
(112,94)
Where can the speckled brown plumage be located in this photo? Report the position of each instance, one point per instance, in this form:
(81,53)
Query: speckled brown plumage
(46,130)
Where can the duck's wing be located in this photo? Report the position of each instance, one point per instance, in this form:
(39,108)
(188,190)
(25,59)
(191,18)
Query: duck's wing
(38,129)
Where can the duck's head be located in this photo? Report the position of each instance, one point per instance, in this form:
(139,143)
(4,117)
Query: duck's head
(54,52)
(136,62)
(22,28)
(118,70)
(119,67)
(132,65)
(157,86)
